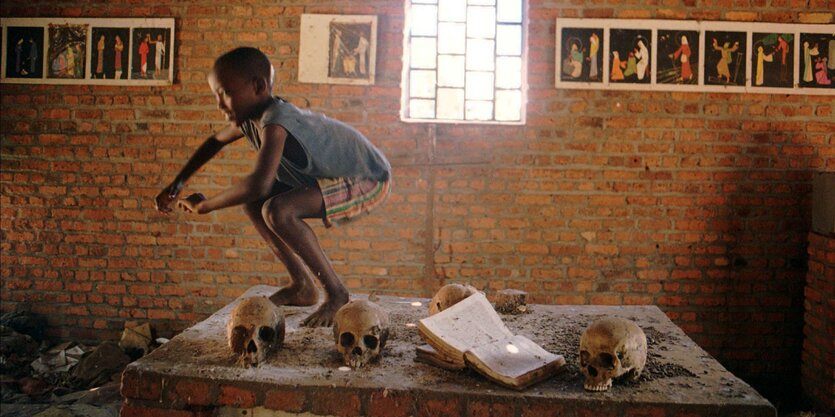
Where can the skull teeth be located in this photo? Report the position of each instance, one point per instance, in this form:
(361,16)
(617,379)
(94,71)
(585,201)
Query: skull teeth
(598,387)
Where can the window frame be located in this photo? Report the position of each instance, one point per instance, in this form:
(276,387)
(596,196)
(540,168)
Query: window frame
(405,83)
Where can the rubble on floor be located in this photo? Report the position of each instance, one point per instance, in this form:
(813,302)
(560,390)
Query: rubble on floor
(68,379)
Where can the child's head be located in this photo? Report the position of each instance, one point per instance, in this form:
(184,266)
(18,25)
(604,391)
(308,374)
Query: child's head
(241,80)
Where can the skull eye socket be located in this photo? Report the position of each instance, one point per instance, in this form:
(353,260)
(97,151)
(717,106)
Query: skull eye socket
(346,339)
(584,358)
(607,360)
(266,334)
(371,342)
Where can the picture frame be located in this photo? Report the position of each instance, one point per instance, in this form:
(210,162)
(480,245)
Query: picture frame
(106,51)
(698,56)
(338,49)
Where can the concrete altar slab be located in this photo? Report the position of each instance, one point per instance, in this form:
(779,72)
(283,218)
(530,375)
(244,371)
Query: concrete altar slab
(195,373)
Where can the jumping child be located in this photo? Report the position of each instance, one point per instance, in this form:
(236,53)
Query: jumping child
(307,166)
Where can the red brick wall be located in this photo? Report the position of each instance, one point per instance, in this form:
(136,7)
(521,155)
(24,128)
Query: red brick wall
(695,202)
(819,343)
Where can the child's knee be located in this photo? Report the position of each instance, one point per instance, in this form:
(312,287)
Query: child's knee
(275,214)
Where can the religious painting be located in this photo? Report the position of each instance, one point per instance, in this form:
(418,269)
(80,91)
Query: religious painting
(772,60)
(24,52)
(338,49)
(581,55)
(109,53)
(677,57)
(725,62)
(67,50)
(817,60)
(629,54)
(45,50)
(349,50)
(150,50)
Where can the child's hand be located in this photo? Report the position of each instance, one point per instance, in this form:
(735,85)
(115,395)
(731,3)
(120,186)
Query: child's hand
(191,203)
(167,196)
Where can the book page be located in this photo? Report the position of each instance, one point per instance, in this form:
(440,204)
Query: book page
(512,359)
(470,323)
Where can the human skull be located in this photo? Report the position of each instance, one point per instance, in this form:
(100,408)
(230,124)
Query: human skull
(255,327)
(448,296)
(360,330)
(610,348)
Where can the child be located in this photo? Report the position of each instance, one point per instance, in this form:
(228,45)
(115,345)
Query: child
(308,166)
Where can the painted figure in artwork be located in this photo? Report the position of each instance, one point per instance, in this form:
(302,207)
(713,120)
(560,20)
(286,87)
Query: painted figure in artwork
(723,66)
(762,57)
(808,55)
(683,55)
(573,62)
(100,57)
(783,48)
(617,67)
(642,55)
(336,50)
(118,48)
(159,53)
(361,51)
(143,56)
(33,55)
(631,65)
(821,76)
(18,52)
(594,46)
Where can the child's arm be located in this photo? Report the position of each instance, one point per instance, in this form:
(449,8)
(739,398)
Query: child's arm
(255,186)
(204,153)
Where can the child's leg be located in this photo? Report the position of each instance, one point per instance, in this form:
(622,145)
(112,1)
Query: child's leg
(284,216)
(302,291)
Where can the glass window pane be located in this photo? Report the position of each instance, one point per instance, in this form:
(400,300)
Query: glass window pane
(479,110)
(452,11)
(509,11)
(423,53)
(452,38)
(450,71)
(509,40)
(451,103)
(425,1)
(481,22)
(482,2)
(509,105)
(422,84)
(421,109)
(509,72)
(479,85)
(480,55)
(424,20)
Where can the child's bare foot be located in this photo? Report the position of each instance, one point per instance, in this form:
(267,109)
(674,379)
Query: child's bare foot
(323,317)
(296,295)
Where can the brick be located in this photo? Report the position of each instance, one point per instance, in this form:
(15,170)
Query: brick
(192,392)
(141,385)
(438,407)
(389,404)
(285,400)
(236,397)
(344,403)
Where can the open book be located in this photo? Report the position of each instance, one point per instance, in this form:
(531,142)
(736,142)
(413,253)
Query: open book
(471,334)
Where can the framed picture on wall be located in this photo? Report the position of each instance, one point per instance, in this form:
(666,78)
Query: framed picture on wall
(696,56)
(87,51)
(817,60)
(23,52)
(338,49)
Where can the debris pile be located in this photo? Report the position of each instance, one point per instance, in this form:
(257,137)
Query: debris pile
(67,379)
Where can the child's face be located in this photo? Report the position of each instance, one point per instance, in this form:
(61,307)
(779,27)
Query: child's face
(236,97)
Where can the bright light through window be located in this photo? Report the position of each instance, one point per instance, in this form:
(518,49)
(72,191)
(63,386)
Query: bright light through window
(464,61)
